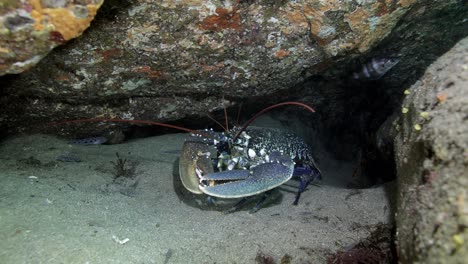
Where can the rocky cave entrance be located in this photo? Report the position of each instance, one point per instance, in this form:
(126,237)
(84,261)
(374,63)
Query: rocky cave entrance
(157,67)
(346,128)
(345,135)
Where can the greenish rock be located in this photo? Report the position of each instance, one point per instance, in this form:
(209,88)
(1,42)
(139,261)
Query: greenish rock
(154,50)
(431,149)
(29,30)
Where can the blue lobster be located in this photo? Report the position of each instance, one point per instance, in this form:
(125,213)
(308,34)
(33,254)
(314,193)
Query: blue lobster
(240,162)
(245,162)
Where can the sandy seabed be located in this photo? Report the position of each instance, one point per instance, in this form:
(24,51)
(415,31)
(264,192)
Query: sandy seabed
(75,212)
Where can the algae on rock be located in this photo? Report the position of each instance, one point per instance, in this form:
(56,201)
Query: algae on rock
(431,149)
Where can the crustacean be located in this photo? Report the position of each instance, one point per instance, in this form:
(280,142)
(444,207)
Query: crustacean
(242,161)
(246,161)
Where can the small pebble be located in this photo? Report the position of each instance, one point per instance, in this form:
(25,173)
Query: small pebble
(424,115)
(458,240)
(441,97)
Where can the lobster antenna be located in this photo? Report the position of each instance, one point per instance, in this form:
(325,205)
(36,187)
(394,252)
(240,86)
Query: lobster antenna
(216,121)
(225,117)
(268,109)
(116,120)
(238,114)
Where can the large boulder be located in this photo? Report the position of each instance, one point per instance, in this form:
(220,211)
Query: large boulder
(431,149)
(168,60)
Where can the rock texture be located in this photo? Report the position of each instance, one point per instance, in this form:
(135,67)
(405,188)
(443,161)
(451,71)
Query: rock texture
(168,60)
(29,29)
(175,60)
(431,147)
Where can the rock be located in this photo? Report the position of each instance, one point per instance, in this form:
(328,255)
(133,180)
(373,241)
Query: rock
(431,148)
(29,29)
(170,60)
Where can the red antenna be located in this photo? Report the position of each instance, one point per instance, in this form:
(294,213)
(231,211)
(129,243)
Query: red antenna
(116,120)
(131,122)
(268,109)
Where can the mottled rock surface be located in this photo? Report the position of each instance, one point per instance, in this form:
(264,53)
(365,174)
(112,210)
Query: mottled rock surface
(431,147)
(179,60)
(29,29)
(169,60)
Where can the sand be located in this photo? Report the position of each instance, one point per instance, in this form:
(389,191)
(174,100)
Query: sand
(74,212)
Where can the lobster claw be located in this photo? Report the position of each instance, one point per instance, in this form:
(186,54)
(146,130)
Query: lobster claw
(194,159)
(242,183)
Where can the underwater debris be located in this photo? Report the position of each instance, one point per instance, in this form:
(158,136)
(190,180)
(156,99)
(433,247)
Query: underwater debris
(123,167)
(378,248)
(120,241)
(357,255)
(88,141)
(286,259)
(376,68)
(261,258)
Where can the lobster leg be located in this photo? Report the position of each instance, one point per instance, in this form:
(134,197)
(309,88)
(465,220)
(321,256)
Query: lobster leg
(260,202)
(236,206)
(242,202)
(309,174)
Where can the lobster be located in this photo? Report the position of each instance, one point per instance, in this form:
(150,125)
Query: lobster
(240,162)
